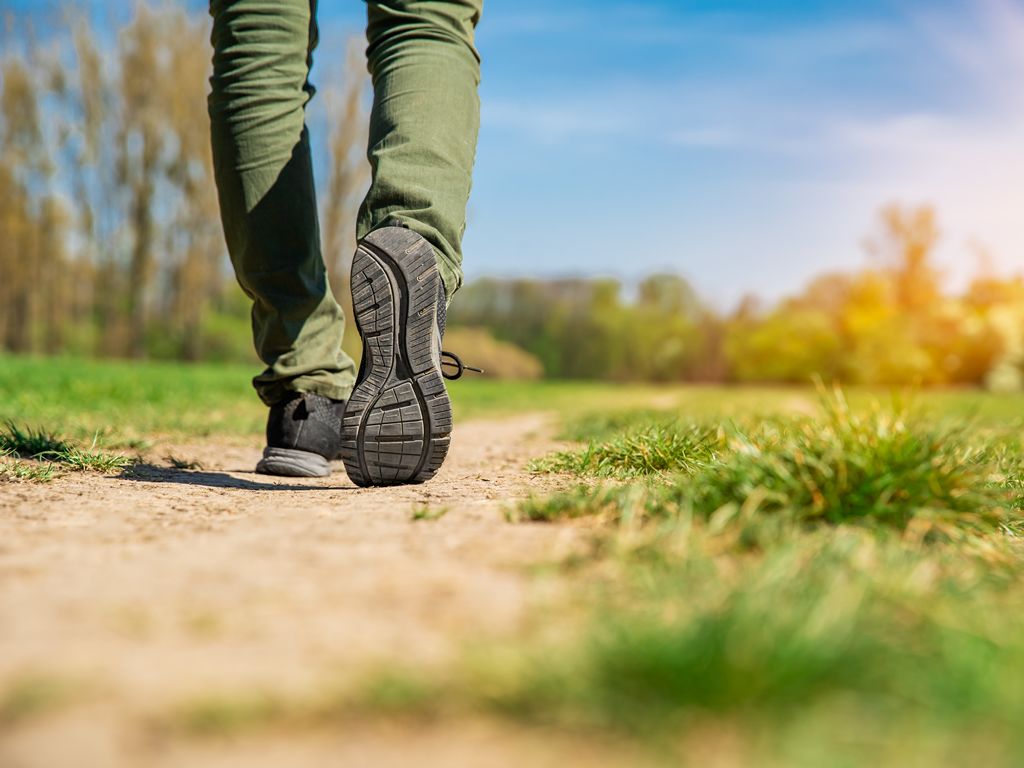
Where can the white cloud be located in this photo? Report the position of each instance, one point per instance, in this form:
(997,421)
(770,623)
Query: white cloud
(554,123)
(966,161)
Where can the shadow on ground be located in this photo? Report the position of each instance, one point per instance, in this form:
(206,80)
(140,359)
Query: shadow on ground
(151,473)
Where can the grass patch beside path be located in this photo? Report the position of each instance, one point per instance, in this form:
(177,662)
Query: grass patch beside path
(656,449)
(126,403)
(880,466)
(30,443)
(833,589)
(27,471)
(50,455)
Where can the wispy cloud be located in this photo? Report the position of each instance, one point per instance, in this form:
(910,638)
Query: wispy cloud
(967,158)
(554,123)
(711,80)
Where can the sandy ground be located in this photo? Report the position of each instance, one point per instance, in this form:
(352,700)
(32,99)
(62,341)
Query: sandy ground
(165,586)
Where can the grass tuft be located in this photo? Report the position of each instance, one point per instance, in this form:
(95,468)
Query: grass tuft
(78,460)
(650,450)
(615,503)
(381,693)
(32,472)
(857,569)
(389,692)
(30,443)
(56,452)
(886,466)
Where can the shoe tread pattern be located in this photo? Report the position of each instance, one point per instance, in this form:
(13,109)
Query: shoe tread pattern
(398,421)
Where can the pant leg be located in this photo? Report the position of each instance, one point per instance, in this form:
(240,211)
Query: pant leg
(259,91)
(425,121)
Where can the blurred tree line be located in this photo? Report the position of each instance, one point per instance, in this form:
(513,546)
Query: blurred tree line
(584,328)
(890,323)
(111,245)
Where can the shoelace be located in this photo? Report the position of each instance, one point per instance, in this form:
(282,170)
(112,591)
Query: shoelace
(451,360)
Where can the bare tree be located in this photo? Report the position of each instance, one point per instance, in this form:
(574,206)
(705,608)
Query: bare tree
(25,167)
(195,274)
(140,146)
(89,108)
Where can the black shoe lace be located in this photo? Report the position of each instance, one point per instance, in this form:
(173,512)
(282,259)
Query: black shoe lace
(451,360)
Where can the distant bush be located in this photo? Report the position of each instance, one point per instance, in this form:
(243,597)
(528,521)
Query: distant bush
(498,359)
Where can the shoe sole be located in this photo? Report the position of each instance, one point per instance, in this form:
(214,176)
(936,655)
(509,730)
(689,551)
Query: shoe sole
(289,462)
(398,421)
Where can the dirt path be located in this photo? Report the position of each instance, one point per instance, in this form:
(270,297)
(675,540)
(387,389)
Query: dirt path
(169,585)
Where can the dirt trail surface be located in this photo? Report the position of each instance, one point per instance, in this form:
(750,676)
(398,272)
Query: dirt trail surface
(165,585)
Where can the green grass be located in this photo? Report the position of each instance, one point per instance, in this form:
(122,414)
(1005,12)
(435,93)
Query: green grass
(32,472)
(30,443)
(129,403)
(125,403)
(840,586)
(655,449)
(226,715)
(604,425)
(78,460)
(883,467)
(830,647)
(54,453)
(887,466)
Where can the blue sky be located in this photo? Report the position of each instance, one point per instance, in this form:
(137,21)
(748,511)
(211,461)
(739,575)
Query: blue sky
(747,145)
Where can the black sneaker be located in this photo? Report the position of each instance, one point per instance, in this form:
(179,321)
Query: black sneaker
(398,423)
(303,436)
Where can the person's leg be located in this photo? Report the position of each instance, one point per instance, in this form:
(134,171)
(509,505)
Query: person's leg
(262,54)
(408,263)
(425,120)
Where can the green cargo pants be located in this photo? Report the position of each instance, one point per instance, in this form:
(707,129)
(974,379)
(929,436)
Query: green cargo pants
(423,131)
